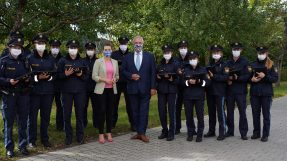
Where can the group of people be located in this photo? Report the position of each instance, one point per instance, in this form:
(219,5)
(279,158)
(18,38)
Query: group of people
(31,79)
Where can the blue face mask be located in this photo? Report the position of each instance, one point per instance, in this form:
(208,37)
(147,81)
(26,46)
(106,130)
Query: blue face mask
(107,53)
(138,47)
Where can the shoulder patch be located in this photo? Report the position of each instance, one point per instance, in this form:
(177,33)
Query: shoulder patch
(249,69)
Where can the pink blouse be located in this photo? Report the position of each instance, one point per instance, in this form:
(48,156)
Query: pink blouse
(109,73)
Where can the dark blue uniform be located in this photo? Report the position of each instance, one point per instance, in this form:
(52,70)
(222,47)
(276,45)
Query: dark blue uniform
(236,93)
(42,95)
(261,99)
(216,96)
(122,88)
(57,97)
(167,93)
(179,100)
(15,100)
(194,95)
(90,92)
(73,90)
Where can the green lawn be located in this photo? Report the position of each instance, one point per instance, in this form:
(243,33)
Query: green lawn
(57,138)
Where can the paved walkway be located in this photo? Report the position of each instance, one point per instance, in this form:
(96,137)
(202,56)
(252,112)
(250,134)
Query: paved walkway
(231,149)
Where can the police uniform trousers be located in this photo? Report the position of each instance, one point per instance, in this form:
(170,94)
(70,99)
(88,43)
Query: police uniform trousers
(42,103)
(189,105)
(166,104)
(91,96)
(79,100)
(259,103)
(240,100)
(216,106)
(16,105)
(59,111)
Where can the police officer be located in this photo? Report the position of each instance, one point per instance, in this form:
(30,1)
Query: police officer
(72,70)
(122,84)
(43,66)
(237,90)
(16,35)
(261,92)
(218,73)
(167,91)
(15,98)
(182,60)
(90,61)
(195,80)
(56,54)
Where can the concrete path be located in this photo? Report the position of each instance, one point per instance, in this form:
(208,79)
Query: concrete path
(231,149)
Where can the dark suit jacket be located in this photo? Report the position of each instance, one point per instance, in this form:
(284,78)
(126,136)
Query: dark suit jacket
(147,74)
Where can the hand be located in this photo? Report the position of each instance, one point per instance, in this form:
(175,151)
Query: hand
(43,76)
(69,71)
(79,73)
(152,92)
(114,81)
(229,82)
(166,75)
(109,81)
(179,71)
(210,74)
(192,81)
(135,77)
(170,79)
(260,74)
(255,79)
(230,78)
(13,82)
(158,77)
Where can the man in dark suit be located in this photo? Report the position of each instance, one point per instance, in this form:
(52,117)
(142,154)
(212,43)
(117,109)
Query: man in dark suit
(140,71)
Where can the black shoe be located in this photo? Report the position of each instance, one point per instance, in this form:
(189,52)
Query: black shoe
(10,153)
(68,141)
(170,138)
(244,137)
(198,139)
(177,132)
(162,135)
(264,139)
(220,138)
(255,136)
(189,138)
(47,144)
(229,135)
(209,134)
(24,151)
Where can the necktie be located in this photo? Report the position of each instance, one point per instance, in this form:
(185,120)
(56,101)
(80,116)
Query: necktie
(138,63)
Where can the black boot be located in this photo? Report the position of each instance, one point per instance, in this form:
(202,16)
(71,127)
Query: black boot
(24,151)
(162,135)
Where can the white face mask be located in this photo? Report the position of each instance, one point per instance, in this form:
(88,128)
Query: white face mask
(182,52)
(236,53)
(193,62)
(216,56)
(55,51)
(40,48)
(123,47)
(262,57)
(90,53)
(73,52)
(15,52)
(167,56)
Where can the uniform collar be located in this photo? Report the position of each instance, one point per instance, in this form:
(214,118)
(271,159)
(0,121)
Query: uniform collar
(69,58)
(163,61)
(45,54)
(125,53)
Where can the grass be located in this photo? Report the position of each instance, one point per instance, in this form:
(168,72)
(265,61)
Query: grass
(57,138)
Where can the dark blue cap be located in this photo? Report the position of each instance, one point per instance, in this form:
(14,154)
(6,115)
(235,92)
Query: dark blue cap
(55,42)
(40,38)
(123,40)
(90,45)
(16,42)
(73,43)
(16,34)
(216,47)
(166,47)
(182,43)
